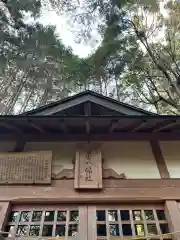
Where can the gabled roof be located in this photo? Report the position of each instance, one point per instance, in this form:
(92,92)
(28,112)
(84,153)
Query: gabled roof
(88,116)
(100,105)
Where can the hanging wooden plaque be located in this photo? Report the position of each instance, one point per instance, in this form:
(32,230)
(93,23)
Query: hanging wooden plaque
(88,169)
(25,168)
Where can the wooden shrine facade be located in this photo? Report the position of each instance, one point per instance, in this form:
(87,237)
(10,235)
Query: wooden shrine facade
(89,167)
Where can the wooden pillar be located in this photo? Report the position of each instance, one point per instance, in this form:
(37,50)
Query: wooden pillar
(4,210)
(92,235)
(173,217)
(159,158)
(19,146)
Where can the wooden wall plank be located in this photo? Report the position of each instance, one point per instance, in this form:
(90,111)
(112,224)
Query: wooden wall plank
(161,164)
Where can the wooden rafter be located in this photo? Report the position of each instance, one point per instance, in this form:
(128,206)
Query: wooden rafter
(10,126)
(113,126)
(34,125)
(139,126)
(165,126)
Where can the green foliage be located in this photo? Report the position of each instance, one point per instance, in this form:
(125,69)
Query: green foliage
(34,63)
(137,61)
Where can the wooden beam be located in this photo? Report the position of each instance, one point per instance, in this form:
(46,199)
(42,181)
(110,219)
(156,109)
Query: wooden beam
(173,217)
(114,191)
(161,164)
(63,126)
(121,136)
(87,108)
(165,126)
(87,112)
(88,127)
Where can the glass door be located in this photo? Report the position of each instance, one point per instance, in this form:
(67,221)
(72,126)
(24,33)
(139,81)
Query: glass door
(110,222)
(47,222)
(92,222)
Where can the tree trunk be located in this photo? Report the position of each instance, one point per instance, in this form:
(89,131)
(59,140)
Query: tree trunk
(29,95)
(117,89)
(14,98)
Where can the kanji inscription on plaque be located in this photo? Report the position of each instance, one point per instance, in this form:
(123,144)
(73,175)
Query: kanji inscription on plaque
(88,169)
(25,168)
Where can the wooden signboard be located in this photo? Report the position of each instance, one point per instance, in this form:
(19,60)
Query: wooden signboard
(25,168)
(88,169)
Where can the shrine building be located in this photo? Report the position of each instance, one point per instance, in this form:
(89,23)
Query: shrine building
(89,167)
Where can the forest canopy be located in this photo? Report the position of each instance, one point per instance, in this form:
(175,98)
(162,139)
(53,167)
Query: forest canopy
(137,60)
